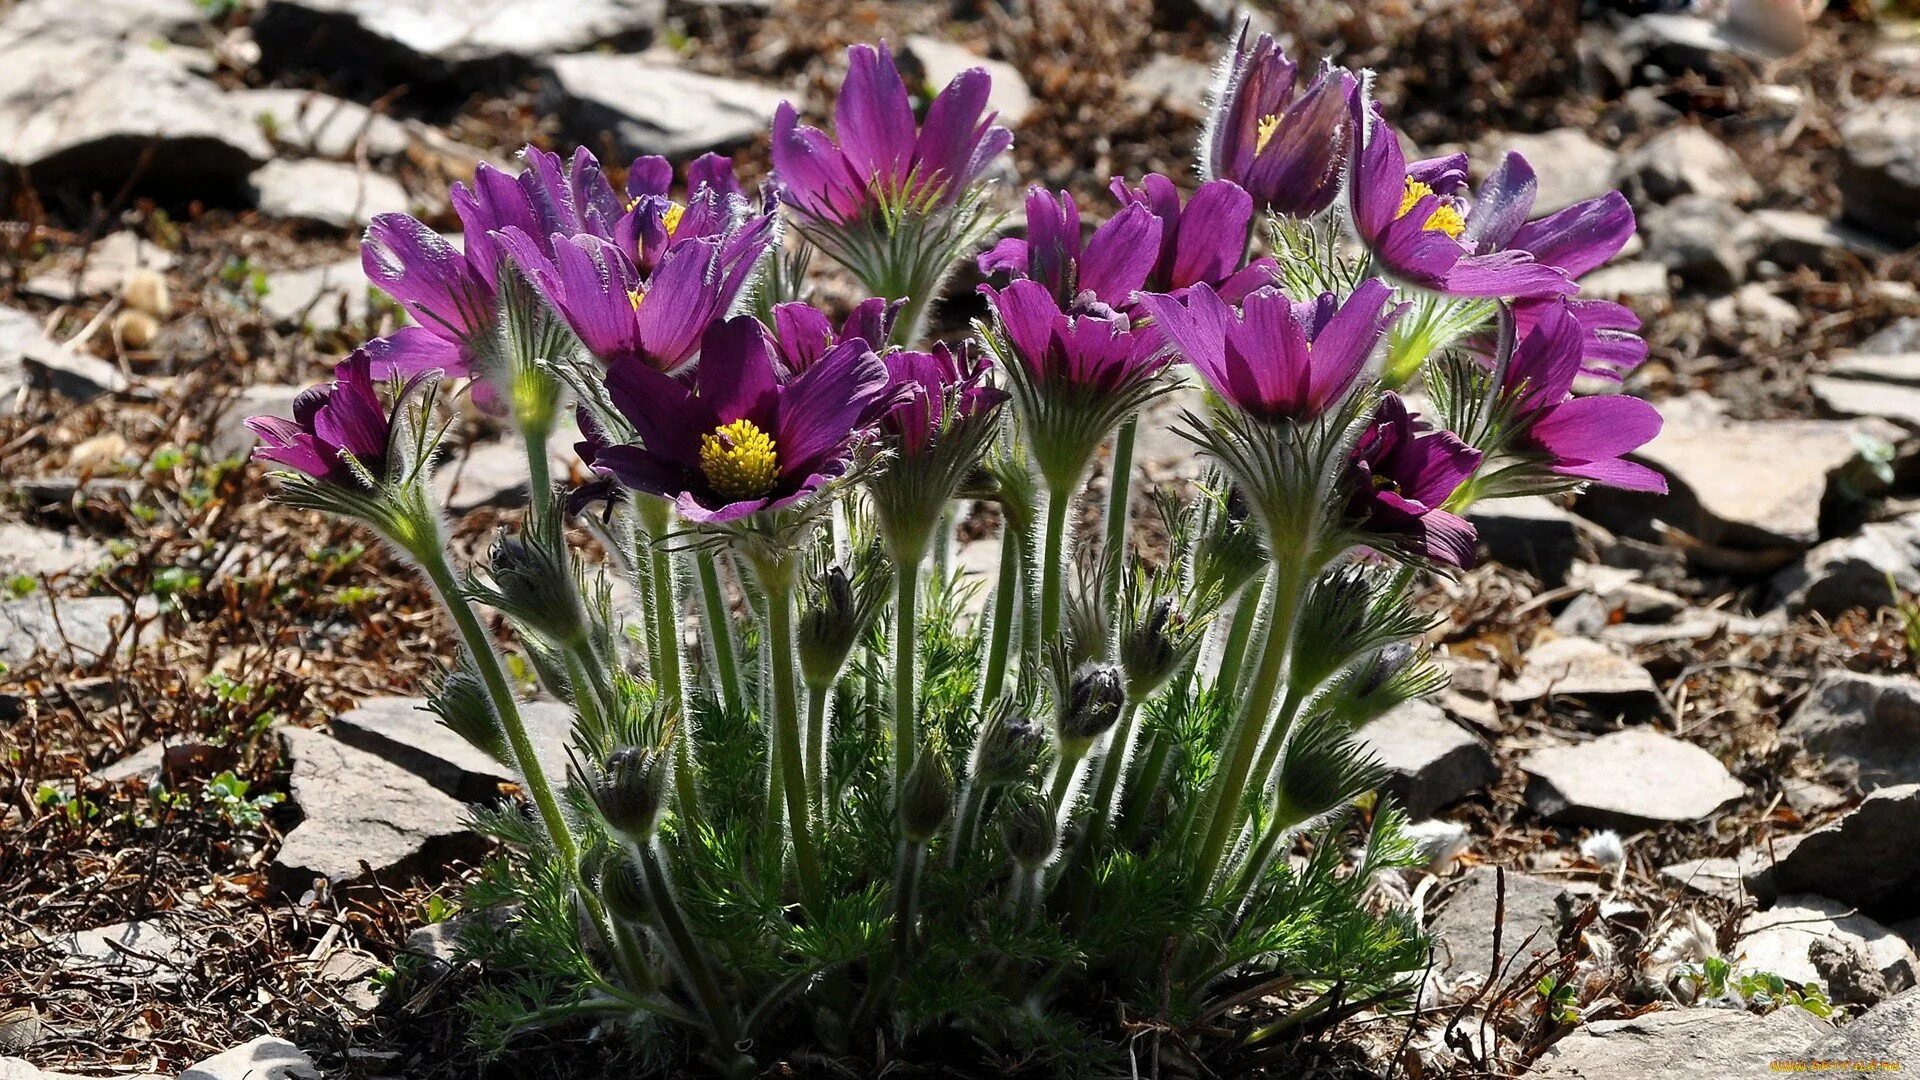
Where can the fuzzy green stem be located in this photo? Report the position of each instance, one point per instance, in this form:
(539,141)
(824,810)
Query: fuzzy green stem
(1140,799)
(1106,788)
(906,897)
(1006,590)
(777,579)
(719,632)
(587,698)
(1052,564)
(905,646)
(1233,651)
(540,494)
(966,822)
(1119,488)
(816,746)
(672,923)
(667,665)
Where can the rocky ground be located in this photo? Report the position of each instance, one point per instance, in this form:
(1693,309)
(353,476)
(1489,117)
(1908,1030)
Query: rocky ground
(1683,734)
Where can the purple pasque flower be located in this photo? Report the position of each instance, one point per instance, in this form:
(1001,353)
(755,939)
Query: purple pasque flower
(1285,149)
(882,156)
(1105,268)
(1421,228)
(330,421)
(742,438)
(1400,474)
(936,387)
(715,206)
(1582,438)
(621,314)
(1274,359)
(1093,351)
(803,334)
(1610,343)
(1204,242)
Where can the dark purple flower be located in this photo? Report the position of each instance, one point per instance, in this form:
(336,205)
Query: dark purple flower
(1286,150)
(1420,227)
(1275,359)
(803,334)
(1575,240)
(714,206)
(741,439)
(882,156)
(1203,243)
(1401,473)
(928,383)
(449,298)
(1610,343)
(1106,268)
(1097,351)
(1582,438)
(345,416)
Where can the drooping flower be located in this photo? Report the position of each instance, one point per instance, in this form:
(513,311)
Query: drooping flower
(330,422)
(1582,438)
(1400,474)
(1105,268)
(882,157)
(1275,359)
(803,333)
(741,438)
(937,388)
(1094,352)
(1202,243)
(1421,228)
(1285,149)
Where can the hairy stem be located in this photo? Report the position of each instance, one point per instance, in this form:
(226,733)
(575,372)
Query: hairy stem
(905,648)
(1106,788)
(1006,590)
(1052,564)
(667,662)
(816,746)
(719,625)
(777,579)
(672,923)
(1233,651)
(1119,488)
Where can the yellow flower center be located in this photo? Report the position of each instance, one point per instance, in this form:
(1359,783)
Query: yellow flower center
(671,219)
(1263,134)
(634,296)
(1444,217)
(739,460)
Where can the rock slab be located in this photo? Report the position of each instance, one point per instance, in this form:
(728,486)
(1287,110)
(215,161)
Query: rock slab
(1628,780)
(398,730)
(1880,168)
(1867,859)
(1432,761)
(1680,1044)
(1583,669)
(265,1058)
(438,40)
(1869,724)
(651,105)
(1852,571)
(1464,926)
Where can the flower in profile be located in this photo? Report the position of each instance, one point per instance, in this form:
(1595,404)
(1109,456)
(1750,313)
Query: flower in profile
(335,427)
(1422,229)
(1105,268)
(883,159)
(1203,242)
(803,333)
(743,438)
(1274,359)
(1580,438)
(1610,343)
(1284,147)
(1401,473)
(938,389)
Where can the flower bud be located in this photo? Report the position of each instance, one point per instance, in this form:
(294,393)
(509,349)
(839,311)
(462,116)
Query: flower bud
(1028,826)
(632,790)
(828,628)
(927,799)
(532,581)
(461,703)
(1092,706)
(1150,649)
(1007,748)
(622,890)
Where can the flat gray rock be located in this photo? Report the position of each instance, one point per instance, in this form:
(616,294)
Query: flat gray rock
(1797,238)
(1867,859)
(442,39)
(1172,83)
(1852,571)
(1683,160)
(1895,402)
(265,1058)
(1571,167)
(81,629)
(1714,877)
(363,814)
(1780,940)
(1900,368)
(1681,1044)
(99,270)
(320,298)
(1638,278)
(29,358)
(1754,310)
(1880,168)
(399,730)
(495,473)
(1583,669)
(1704,240)
(319,125)
(1888,1032)
(651,105)
(939,61)
(30,550)
(1628,780)
(1463,927)
(1433,761)
(1533,533)
(145,948)
(1869,724)
(326,193)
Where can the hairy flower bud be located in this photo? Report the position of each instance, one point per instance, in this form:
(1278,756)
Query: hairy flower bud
(622,890)
(1092,705)
(1007,748)
(1152,648)
(828,628)
(461,703)
(927,799)
(531,579)
(632,790)
(1028,826)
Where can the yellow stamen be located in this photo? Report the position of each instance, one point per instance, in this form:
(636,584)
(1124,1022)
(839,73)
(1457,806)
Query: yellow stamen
(671,219)
(1444,217)
(634,296)
(1263,134)
(739,460)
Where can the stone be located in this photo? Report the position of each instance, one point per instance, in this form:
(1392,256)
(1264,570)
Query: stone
(1868,723)
(400,731)
(1754,311)
(361,815)
(1866,859)
(145,948)
(265,1058)
(1779,940)
(323,126)
(1583,669)
(232,437)
(1628,780)
(1680,1044)
(90,92)
(1683,160)
(1172,83)
(33,551)
(1635,279)
(1533,533)
(1612,597)
(651,105)
(1852,572)
(1431,761)
(1898,368)
(1718,497)
(1707,242)
(28,358)
(319,298)
(1899,336)
(332,194)
(1722,877)
(495,473)
(1797,238)
(1889,1032)
(1894,402)
(83,629)
(1571,166)
(939,61)
(1880,168)
(100,270)
(1463,927)
(441,40)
